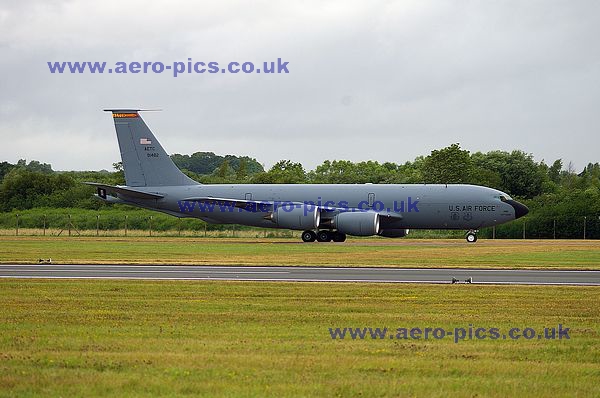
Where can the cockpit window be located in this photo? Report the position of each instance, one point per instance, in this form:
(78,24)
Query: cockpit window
(503,198)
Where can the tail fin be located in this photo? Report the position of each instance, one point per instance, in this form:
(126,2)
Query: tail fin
(145,162)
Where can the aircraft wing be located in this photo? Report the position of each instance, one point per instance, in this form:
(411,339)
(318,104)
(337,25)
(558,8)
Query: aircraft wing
(241,203)
(103,190)
(387,218)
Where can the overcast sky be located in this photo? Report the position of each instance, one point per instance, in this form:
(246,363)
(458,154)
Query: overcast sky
(379,80)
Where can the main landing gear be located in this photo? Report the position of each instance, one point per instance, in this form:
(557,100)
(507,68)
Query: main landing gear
(471,236)
(323,236)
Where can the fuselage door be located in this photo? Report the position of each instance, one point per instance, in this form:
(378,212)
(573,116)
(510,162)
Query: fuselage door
(248,196)
(371,199)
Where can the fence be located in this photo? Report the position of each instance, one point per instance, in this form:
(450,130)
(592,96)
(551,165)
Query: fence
(143,224)
(56,224)
(560,227)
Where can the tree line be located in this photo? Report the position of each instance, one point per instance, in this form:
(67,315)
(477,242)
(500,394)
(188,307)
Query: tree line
(554,192)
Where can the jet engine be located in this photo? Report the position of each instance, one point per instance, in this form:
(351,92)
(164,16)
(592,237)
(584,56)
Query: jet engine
(296,218)
(357,223)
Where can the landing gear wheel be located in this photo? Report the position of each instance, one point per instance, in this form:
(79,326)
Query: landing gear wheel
(338,237)
(324,236)
(309,236)
(471,237)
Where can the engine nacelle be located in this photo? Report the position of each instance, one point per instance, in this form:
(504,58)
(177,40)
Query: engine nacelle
(357,223)
(301,218)
(394,233)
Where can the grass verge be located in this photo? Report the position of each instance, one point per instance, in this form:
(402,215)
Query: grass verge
(125,338)
(553,254)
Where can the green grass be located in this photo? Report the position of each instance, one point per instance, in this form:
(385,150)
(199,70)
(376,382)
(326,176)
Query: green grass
(565,254)
(177,338)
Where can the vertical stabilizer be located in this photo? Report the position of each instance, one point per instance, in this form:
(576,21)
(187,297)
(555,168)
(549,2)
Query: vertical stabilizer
(145,162)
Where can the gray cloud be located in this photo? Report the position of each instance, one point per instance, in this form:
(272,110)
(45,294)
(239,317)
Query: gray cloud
(368,80)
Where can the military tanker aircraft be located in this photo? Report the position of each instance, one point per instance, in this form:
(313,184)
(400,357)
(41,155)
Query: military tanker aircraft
(324,212)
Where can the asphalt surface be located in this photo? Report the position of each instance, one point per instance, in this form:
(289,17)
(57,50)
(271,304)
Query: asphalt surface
(302,274)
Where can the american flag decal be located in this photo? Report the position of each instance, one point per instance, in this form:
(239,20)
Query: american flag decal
(145,141)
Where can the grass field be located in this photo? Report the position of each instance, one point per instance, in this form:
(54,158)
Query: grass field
(564,254)
(136,338)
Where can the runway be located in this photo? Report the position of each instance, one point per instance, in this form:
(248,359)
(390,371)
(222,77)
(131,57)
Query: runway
(302,274)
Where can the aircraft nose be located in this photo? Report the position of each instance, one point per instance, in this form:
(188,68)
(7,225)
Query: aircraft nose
(520,209)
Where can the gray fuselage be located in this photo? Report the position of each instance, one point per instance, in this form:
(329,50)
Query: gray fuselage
(416,206)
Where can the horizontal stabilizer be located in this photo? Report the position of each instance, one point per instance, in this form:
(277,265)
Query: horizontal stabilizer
(103,190)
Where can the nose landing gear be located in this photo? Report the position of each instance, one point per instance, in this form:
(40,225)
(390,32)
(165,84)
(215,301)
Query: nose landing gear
(471,236)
